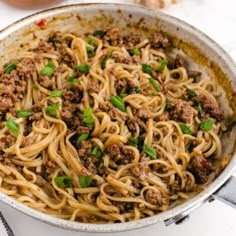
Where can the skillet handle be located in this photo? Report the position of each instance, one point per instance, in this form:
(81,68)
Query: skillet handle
(227,193)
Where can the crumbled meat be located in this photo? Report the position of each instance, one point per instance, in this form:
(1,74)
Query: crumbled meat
(112,36)
(155,197)
(180,110)
(46,82)
(209,106)
(143,113)
(85,149)
(163,117)
(141,170)
(124,207)
(126,59)
(180,62)
(113,112)
(6,142)
(121,85)
(200,168)
(65,57)
(36,116)
(25,68)
(56,39)
(5,104)
(157,41)
(43,47)
(120,154)
(93,87)
(131,40)
(131,125)
(83,130)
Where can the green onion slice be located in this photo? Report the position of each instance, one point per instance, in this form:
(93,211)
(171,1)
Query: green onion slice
(12,125)
(149,151)
(206,125)
(63,181)
(24,113)
(185,129)
(118,102)
(56,93)
(82,138)
(51,110)
(85,181)
(84,68)
(154,84)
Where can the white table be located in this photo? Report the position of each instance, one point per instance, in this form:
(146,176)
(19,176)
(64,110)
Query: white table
(217,19)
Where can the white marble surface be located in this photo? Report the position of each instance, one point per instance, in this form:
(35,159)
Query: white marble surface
(217,19)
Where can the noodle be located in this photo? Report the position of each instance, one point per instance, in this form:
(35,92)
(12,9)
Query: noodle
(106,128)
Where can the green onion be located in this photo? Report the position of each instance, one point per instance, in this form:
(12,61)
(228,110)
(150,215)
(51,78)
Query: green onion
(12,125)
(85,181)
(90,52)
(51,110)
(63,181)
(230,125)
(154,84)
(9,67)
(185,129)
(56,93)
(104,60)
(48,70)
(134,51)
(81,138)
(84,68)
(132,142)
(167,104)
(190,92)
(90,41)
(200,109)
(118,102)
(89,121)
(99,33)
(135,89)
(163,64)
(149,151)
(72,81)
(24,113)
(97,152)
(206,125)
(147,69)
(88,112)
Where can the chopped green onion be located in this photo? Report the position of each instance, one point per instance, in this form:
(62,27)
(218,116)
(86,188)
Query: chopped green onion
(48,70)
(89,121)
(88,112)
(9,67)
(56,93)
(149,151)
(99,33)
(51,110)
(135,89)
(81,138)
(118,102)
(185,129)
(206,125)
(134,51)
(24,113)
(90,41)
(90,52)
(123,95)
(132,142)
(97,152)
(104,60)
(200,109)
(230,125)
(147,69)
(85,181)
(72,81)
(84,68)
(190,92)
(63,181)
(154,84)
(163,64)
(12,125)
(167,104)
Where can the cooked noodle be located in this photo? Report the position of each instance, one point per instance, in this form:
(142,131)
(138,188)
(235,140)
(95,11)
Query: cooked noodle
(135,162)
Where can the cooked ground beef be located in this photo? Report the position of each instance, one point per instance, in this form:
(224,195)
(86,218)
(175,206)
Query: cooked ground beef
(5,104)
(120,154)
(93,87)
(65,57)
(44,47)
(141,170)
(158,40)
(180,110)
(155,197)
(180,62)
(123,206)
(200,168)
(143,113)
(6,142)
(46,82)
(25,68)
(131,40)
(112,36)
(113,112)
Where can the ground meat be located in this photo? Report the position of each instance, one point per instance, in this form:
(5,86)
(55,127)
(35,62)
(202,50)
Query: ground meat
(163,117)
(112,36)
(179,62)
(180,110)
(200,168)
(159,41)
(83,130)
(85,149)
(46,82)
(56,39)
(113,112)
(143,113)
(131,40)
(155,197)
(44,47)
(131,125)
(25,68)
(74,94)
(5,104)
(93,87)
(141,170)
(124,207)
(67,112)
(65,57)
(134,60)
(6,142)
(136,120)
(121,85)
(36,116)
(120,154)
(37,107)
(209,106)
